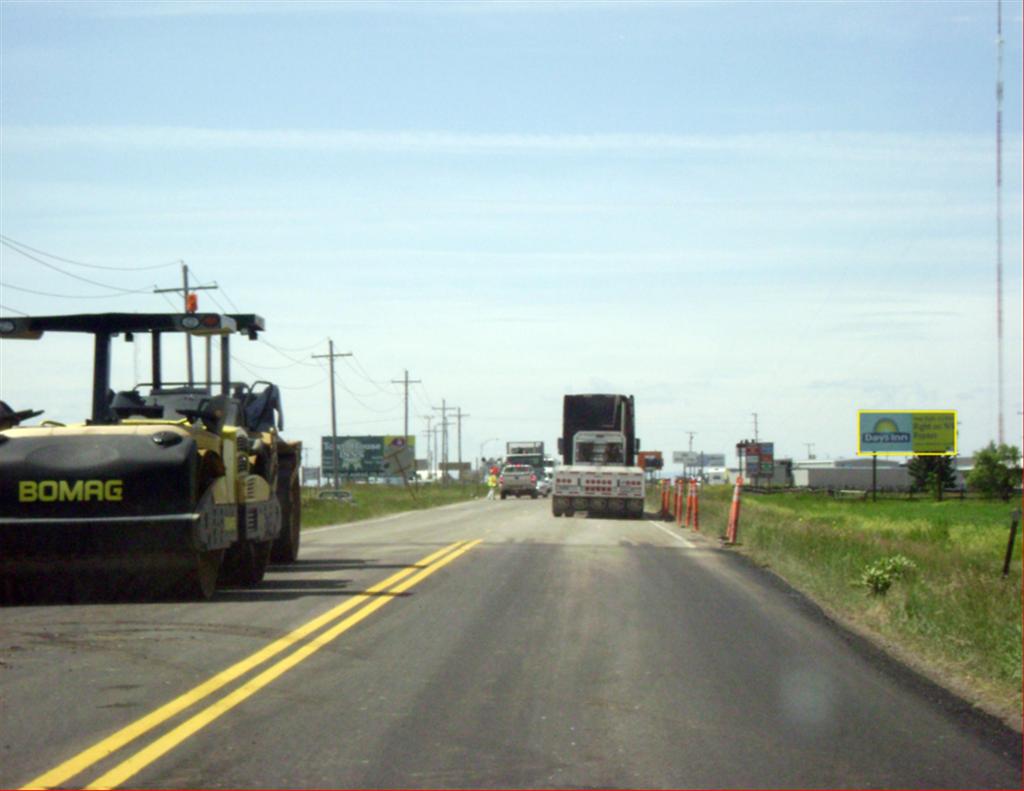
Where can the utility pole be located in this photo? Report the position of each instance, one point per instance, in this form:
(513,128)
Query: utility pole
(185,291)
(687,467)
(810,449)
(334,415)
(443,409)
(999,214)
(406,381)
(430,440)
(437,461)
(755,425)
(459,416)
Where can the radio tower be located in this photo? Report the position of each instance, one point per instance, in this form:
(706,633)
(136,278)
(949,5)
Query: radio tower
(999,212)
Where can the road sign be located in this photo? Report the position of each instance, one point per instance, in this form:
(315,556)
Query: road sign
(926,432)
(695,458)
(757,459)
(400,455)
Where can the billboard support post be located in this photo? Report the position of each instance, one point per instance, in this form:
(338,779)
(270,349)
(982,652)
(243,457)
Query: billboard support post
(1009,547)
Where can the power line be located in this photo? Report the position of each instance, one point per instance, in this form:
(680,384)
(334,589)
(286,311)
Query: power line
(69,296)
(170,302)
(302,387)
(216,301)
(14,244)
(72,275)
(283,349)
(277,349)
(185,290)
(283,387)
(444,409)
(363,374)
(13,310)
(368,422)
(426,404)
(231,302)
(460,416)
(430,444)
(274,367)
(406,381)
(363,404)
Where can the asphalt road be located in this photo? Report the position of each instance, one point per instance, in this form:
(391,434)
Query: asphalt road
(505,648)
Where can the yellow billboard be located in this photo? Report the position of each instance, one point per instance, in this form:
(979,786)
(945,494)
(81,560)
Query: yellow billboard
(923,432)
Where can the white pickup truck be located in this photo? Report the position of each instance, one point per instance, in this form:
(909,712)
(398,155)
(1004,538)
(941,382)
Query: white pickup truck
(517,479)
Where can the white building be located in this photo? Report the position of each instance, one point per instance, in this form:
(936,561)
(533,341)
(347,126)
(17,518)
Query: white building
(855,473)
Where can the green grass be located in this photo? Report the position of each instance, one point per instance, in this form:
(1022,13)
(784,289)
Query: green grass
(952,608)
(372,500)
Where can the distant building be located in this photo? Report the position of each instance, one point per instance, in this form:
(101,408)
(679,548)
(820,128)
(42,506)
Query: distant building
(854,462)
(782,475)
(855,473)
(850,473)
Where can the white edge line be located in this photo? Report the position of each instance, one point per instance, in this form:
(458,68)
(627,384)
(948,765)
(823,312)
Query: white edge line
(684,541)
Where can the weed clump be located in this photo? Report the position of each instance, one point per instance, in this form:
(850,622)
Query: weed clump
(880,575)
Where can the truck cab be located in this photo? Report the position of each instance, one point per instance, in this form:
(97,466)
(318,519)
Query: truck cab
(599,446)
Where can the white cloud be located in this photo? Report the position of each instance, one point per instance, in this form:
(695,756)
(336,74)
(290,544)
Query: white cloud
(849,146)
(166,8)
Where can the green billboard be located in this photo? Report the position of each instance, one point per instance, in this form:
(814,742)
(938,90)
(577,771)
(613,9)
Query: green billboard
(367,456)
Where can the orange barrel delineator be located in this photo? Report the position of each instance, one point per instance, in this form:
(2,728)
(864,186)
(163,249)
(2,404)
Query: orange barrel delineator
(696,505)
(734,513)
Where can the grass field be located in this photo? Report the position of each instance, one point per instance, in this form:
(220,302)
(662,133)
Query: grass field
(949,607)
(370,501)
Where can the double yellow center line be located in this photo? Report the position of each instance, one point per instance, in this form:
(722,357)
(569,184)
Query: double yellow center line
(377,596)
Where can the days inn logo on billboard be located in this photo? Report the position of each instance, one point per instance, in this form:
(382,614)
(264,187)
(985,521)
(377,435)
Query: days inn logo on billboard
(886,432)
(924,432)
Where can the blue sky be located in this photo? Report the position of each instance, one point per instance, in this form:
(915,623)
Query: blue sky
(723,208)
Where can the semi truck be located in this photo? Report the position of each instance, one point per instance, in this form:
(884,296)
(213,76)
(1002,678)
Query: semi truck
(598,446)
(164,487)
